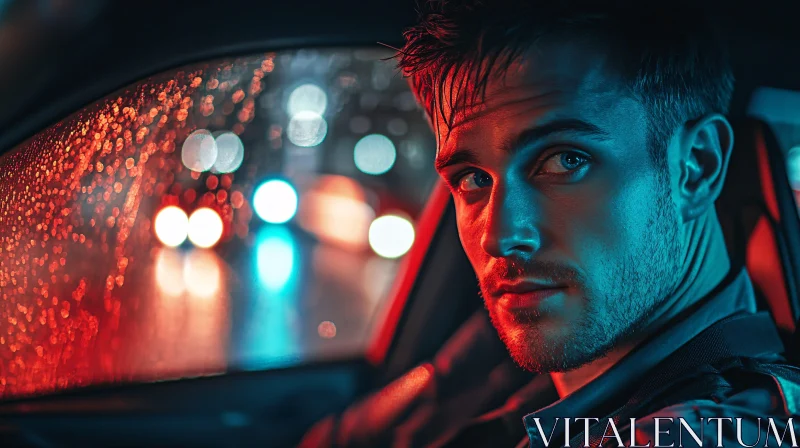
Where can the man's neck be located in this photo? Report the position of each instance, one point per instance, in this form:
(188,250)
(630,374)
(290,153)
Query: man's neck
(568,382)
(706,265)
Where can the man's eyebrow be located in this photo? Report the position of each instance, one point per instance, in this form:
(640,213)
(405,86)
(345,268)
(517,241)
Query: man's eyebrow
(567,125)
(527,137)
(456,157)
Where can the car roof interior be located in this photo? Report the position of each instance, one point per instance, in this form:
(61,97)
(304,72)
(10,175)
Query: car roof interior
(112,44)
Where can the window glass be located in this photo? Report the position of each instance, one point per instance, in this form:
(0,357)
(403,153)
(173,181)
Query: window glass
(247,213)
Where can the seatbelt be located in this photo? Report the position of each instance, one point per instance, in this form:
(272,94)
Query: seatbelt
(741,336)
(748,335)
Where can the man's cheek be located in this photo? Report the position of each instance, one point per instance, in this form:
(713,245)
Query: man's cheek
(470,232)
(615,211)
(586,225)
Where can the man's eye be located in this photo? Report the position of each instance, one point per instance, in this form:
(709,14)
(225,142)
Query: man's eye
(473,181)
(563,162)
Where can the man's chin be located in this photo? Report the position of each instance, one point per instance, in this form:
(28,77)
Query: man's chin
(541,346)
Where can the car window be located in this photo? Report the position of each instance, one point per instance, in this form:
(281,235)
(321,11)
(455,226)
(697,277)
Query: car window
(781,109)
(238,214)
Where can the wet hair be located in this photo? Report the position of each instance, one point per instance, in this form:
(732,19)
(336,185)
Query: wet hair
(671,58)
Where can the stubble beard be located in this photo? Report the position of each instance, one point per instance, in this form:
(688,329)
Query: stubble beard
(611,313)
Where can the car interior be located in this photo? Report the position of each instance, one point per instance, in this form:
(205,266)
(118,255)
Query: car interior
(433,341)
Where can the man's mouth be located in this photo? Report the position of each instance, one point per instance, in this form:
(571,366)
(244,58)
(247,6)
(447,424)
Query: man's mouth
(525,295)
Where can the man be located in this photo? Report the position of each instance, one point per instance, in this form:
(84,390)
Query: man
(585,145)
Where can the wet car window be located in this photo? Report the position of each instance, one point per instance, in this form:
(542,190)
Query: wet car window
(238,214)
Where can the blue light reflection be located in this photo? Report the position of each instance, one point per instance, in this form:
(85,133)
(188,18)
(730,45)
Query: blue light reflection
(272,336)
(275,258)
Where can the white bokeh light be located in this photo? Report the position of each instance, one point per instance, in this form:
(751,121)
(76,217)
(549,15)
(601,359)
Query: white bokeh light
(391,236)
(374,154)
(171,226)
(275,201)
(199,151)
(307,98)
(793,167)
(205,227)
(230,153)
(307,129)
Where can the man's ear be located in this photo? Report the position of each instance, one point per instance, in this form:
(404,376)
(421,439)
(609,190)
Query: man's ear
(705,152)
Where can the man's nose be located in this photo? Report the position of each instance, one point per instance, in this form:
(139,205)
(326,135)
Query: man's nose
(511,227)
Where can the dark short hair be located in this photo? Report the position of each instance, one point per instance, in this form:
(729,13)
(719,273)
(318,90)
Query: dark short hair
(672,58)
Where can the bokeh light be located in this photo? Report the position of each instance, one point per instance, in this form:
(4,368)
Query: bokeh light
(307,129)
(397,126)
(334,209)
(793,167)
(374,154)
(230,153)
(88,192)
(169,272)
(205,227)
(391,236)
(275,258)
(201,273)
(199,151)
(414,155)
(171,226)
(307,98)
(275,201)
(326,330)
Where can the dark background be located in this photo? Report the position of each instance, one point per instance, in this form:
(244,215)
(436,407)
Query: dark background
(59,55)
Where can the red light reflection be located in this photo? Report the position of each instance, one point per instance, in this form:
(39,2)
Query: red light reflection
(77,205)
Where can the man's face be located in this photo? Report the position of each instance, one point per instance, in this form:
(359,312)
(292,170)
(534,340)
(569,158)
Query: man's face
(568,222)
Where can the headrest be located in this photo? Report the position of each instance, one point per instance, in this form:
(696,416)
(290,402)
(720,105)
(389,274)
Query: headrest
(759,217)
